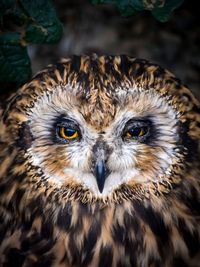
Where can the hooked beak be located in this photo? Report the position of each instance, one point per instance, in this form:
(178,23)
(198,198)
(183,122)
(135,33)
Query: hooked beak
(101,173)
(99,163)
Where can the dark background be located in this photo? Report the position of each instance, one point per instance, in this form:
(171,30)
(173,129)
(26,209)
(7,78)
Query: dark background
(88,28)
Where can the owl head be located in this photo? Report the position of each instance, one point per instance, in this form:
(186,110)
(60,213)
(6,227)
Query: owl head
(107,127)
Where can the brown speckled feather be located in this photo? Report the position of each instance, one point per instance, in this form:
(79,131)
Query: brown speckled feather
(52,219)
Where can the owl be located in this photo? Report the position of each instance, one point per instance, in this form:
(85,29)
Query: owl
(100,167)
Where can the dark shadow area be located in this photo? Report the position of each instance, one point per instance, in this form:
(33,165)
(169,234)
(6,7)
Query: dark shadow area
(100,29)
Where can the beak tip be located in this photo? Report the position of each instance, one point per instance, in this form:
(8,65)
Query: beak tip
(100,173)
(100,189)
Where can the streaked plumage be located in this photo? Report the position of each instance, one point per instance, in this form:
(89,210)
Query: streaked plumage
(122,190)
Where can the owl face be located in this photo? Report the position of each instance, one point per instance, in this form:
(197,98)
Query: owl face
(98,124)
(102,145)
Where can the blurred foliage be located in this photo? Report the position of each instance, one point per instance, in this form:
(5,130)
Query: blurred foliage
(23,22)
(160,9)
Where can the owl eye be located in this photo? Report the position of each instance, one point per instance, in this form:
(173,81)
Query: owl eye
(136,132)
(137,129)
(66,130)
(68,133)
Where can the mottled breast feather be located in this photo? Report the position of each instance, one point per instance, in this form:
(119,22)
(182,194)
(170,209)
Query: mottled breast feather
(139,224)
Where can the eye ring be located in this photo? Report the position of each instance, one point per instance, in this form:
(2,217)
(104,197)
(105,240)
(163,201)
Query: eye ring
(68,133)
(137,129)
(136,132)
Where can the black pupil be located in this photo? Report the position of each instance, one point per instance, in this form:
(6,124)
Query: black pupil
(134,132)
(69,132)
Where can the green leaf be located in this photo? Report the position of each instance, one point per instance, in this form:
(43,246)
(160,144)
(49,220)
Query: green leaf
(42,24)
(129,8)
(36,23)
(38,19)
(160,9)
(163,14)
(14,61)
(126,7)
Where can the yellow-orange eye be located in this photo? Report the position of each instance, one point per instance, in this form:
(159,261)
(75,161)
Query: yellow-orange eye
(68,133)
(136,132)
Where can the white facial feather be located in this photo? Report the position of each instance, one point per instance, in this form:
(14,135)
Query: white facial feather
(123,161)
